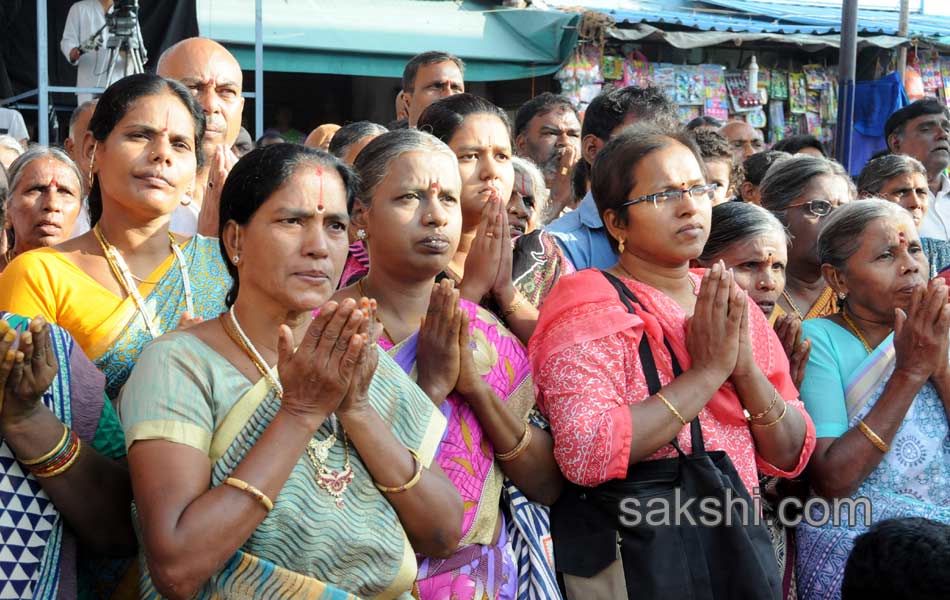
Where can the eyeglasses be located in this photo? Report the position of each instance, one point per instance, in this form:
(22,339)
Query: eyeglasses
(819,208)
(697,192)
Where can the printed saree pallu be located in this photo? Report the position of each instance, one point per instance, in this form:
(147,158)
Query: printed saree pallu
(912,480)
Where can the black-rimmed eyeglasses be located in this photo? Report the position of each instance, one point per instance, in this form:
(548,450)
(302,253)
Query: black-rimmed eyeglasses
(697,192)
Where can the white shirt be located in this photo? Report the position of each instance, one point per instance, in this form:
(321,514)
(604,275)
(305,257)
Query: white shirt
(85,18)
(185,219)
(936,222)
(12,124)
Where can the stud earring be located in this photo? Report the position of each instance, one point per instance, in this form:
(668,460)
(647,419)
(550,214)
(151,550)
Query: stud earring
(361,234)
(235,259)
(842,295)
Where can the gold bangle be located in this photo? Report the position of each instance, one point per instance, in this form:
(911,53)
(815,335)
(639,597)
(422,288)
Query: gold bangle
(56,450)
(672,408)
(258,495)
(873,437)
(776,421)
(65,466)
(511,309)
(751,418)
(409,484)
(519,449)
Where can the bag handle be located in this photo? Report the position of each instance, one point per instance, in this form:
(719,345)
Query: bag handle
(650,372)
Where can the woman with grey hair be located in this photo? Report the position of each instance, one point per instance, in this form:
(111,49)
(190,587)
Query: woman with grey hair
(877,386)
(903,179)
(350,139)
(10,149)
(45,197)
(528,200)
(802,191)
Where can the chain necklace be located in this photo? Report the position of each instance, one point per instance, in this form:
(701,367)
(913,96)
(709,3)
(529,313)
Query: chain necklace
(854,329)
(333,481)
(122,274)
(791,305)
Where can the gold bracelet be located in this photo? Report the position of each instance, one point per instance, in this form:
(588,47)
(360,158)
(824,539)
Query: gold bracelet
(514,307)
(873,437)
(751,418)
(776,421)
(672,408)
(409,484)
(258,495)
(56,450)
(519,449)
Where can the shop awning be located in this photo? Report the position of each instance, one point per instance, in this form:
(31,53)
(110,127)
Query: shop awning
(377,37)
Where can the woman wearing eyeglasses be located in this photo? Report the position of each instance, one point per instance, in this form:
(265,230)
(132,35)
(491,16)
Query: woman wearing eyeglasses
(903,179)
(801,192)
(651,192)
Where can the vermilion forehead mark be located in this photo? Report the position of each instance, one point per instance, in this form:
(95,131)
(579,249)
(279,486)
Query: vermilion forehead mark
(434,188)
(165,129)
(319,172)
(52,182)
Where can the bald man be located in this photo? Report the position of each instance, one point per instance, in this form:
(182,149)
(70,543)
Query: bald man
(214,77)
(744,139)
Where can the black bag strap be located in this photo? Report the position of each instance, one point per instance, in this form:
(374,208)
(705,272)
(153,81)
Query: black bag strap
(650,372)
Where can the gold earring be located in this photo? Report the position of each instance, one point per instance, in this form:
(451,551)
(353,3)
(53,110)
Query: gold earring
(92,163)
(620,246)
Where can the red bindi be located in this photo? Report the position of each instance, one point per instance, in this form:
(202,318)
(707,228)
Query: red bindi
(53,183)
(434,187)
(319,172)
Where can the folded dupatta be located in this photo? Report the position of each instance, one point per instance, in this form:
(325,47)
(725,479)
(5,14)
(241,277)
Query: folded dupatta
(585,307)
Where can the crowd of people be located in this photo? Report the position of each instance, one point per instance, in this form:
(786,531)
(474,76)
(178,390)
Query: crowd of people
(443,357)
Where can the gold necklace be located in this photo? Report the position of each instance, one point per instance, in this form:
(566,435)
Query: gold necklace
(854,329)
(791,305)
(122,273)
(333,481)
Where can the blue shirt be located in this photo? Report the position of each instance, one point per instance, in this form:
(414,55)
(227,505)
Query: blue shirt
(583,238)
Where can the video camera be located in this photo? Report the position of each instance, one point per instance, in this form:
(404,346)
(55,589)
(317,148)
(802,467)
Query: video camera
(124,18)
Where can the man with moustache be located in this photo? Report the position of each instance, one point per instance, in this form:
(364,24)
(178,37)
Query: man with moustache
(922,130)
(214,77)
(428,77)
(581,233)
(548,131)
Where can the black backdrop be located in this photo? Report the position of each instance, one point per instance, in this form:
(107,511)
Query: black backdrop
(163,23)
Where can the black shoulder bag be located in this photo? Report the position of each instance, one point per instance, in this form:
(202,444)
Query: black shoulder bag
(682,527)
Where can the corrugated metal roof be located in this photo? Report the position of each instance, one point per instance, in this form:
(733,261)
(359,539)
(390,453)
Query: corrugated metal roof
(710,20)
(870,20)
(753,16)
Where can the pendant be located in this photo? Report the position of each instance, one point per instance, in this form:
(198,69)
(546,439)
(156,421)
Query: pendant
(320,451)
(335,482)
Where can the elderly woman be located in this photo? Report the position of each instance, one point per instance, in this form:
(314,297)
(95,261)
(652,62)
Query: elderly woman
(311,479)
(713,361)
(58,436)
(903,179)
(877,386)
(411,215)
(45,198)
(752,242)
(129,279)
(802,191)
(528,198)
